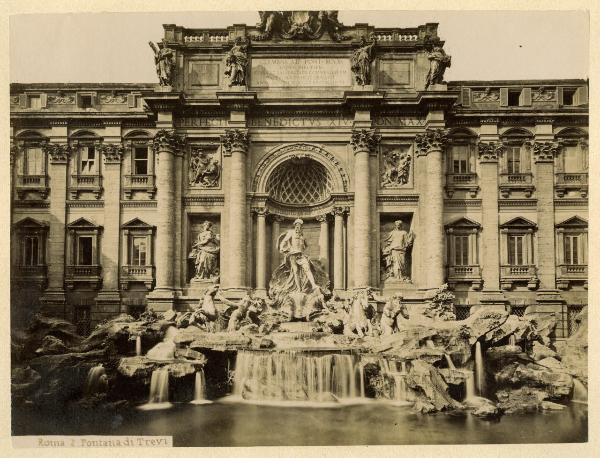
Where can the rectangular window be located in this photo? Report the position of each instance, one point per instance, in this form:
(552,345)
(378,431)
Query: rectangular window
(86,101)
(513,159)
(140,161)
(515,250)
(461,250)
(572,247)
(35,101)
(460,159)
(34,161)
(85,251)
(31,251)
(88,160)
(514,98)
(138,251)
(569,97)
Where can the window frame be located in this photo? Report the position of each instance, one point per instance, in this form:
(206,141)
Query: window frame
(516,227)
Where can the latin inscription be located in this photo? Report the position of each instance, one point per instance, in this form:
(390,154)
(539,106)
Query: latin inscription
(301,121)
(300,72)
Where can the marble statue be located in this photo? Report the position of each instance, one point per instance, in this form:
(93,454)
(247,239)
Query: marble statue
(357,322)
(248,308)
(164,58)
(206,314)
(396,165)
(395,253)
(299,25)
(439,61)
(361,62)
(393,314)
(236,63)
(205,169)
(205,252)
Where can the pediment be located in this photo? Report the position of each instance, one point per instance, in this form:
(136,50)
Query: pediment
(136,223)
(82,223)
(30,223)
(464,223)
(519,223)
(574,221)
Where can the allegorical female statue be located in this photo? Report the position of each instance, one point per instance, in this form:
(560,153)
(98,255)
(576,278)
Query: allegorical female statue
(439,61)
(361,62)
(395,252)
(205,252)
(164,58)
(297,273)
(236,62)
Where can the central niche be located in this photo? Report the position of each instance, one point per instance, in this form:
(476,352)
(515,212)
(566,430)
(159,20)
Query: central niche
(300,181)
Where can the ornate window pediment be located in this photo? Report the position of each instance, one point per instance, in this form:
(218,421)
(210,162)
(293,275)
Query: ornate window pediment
(463,223)
(137,223)
(29,257)
(300,181)
(575,222)
(462,242)
(519,223)
(82,223)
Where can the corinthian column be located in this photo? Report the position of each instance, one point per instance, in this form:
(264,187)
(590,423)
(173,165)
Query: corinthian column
(431,143)
(167,145)
(261,249)
(324,241)
(235,144)
(364,142)
(338,249)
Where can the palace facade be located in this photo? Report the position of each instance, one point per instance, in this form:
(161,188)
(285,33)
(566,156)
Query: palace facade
(349,128)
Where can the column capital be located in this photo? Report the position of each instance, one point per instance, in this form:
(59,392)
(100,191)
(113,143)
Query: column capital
(322,218)
(276,218)
(364,140)
(489,152)
(235,140)
(260,211)
(112,152)
(544,151)
(340,211)
(431,140)
(57,152)
(167,141)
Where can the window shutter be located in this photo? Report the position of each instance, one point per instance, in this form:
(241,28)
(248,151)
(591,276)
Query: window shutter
(559,95)
(525,160)
(525,97)
(581,96)
(44,100)
(23,100)
(466,97)
(503,96)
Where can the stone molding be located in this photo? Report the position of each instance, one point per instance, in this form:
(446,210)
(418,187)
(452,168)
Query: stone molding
(340,211)
(260,211)
(167,141)
(402,199)
(85,204)
(203,200)
(138,204)
(462,203)
(31,204)
(112,152)
(504,203)
(431,140)
(364,140)
(57,152)
(235,140)
(489,151)
(544,151)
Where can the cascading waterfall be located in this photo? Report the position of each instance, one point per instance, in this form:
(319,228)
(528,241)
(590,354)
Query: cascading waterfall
(580,393)
(389,369)
(165,350)
(450,362)
(200,388)
(159,387)
(96,381)
(469,384)
(479,369)
(294,375)
(138,346)
(512,340)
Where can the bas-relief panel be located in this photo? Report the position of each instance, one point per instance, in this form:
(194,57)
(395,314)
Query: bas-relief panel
(396,167)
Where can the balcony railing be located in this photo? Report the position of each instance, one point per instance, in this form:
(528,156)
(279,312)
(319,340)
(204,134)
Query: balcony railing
(83,274)
(139,183)
(28,275)
(469,273)
(81,183)
(142,274)
(565,182)
(510,182)
(566,273)
(27,183)
(524,273)
(464,181)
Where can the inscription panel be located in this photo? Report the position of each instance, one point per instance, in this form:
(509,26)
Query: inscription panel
(203,74)
(395,73)
(300,72)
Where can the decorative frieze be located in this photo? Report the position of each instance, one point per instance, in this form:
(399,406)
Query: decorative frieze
(404,199)
(203,200)
(544,151)
(430,140)
(235,140)
(138,204)
(542,94)
(487,95)
(57,152)
(61,99)
(364,140)
(112,99)
(112,152)
(489,151)
(85,204)
(167,140)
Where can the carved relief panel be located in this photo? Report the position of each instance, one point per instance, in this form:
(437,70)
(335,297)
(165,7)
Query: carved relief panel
(204,168)
(396,167)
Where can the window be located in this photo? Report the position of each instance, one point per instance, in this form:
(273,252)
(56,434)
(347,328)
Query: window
(514,98)
(85,250)
(35,101)
(460,159)
(86,101)
(573,159)
(88,160)
(31,250)
(34,161)
(515,250)
(140,161)
(569,97)
(572,246)
(461,250)
(513,159)
(138,251)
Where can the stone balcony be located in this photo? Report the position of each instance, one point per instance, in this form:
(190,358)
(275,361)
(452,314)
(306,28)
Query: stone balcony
(90,275)
(565,182)
(568,273)
(31,183)
(462,181)
(85,183)
(141,274)
(37,275)
(144,183)
(510,182)
(518,274)
(465,274)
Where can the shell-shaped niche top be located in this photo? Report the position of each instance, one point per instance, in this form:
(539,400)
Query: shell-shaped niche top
(300,181)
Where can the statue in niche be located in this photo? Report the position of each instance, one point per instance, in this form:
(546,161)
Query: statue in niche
(164,58)
(395,253)
(205,169)
(205,252)
(361,62)
(396,171)
(297,276)
(439,61)
(236,62)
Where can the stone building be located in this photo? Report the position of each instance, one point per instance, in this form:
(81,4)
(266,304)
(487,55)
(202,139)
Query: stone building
(350,128)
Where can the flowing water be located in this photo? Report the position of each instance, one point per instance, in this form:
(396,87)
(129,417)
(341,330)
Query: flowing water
(512,340)
(449,362)
(479,370)
(165,350)
(159,390)
(138,346)
(95,381)
(395,372)
(469,384)
(200,389)
(580,393)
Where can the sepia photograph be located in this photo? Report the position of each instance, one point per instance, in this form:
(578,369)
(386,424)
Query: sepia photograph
(298,228)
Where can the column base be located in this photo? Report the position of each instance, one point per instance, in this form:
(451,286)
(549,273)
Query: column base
(108,305)
(53,302)
(161,300)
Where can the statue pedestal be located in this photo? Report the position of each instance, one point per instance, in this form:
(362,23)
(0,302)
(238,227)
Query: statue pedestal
(163,89)
(365,88)
(438,87)
(237,88)
(199,285)
(393,285)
